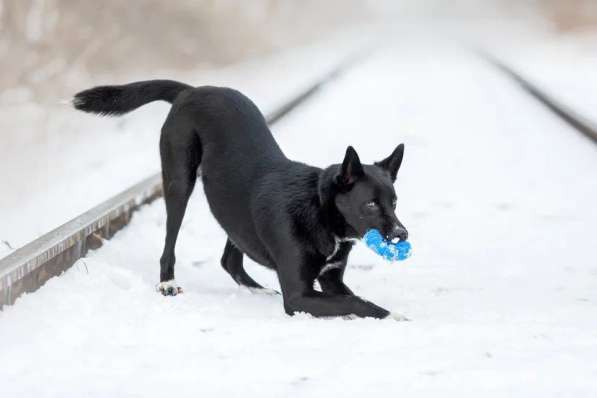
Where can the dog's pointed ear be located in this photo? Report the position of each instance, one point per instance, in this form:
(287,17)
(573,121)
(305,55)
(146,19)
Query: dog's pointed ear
(351,168)
(392,163)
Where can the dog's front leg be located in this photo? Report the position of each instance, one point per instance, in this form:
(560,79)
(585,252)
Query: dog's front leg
(298,272)
(331,276)
(321,305)
(331,282)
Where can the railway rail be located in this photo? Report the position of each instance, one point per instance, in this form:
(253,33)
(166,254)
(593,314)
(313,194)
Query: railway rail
(576,120)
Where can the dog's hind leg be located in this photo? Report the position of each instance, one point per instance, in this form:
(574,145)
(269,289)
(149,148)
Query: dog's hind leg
(232,262)
(180,150)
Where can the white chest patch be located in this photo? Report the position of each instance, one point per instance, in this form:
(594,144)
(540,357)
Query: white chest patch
(337,242)
(336,247)
(327,267)
(335,264)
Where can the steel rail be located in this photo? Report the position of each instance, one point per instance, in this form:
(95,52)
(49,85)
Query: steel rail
(577,121)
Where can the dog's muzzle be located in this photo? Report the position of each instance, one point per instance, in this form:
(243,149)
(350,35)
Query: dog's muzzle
(398,231)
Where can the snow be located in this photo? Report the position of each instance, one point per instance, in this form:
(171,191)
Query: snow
(497,194)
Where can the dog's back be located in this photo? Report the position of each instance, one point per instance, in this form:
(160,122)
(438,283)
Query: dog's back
(217,128)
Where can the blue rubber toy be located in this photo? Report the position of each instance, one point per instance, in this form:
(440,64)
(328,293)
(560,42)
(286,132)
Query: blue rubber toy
(391,251)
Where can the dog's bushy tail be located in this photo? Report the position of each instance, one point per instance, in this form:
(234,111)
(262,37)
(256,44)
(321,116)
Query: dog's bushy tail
(118,100)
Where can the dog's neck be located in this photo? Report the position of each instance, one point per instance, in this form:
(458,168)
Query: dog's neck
(331,217)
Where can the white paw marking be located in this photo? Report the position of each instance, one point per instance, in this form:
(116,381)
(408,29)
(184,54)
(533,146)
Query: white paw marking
(398,317)
(168,288)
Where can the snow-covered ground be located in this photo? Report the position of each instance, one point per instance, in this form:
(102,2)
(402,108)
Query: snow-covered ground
(498,196)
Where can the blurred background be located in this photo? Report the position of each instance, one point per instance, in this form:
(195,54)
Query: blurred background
(51,49)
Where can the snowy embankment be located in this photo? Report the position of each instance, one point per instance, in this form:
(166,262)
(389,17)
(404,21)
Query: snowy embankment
(499,199)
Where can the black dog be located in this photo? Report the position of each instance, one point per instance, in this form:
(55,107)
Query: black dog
(296,219)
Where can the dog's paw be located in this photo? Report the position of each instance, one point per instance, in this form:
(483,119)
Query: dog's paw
(398,317)
(169,288)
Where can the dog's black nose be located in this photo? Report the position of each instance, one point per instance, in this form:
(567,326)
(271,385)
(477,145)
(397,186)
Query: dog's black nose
(398,232)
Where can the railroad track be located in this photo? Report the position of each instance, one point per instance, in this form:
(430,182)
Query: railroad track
(576,120)
(29,267)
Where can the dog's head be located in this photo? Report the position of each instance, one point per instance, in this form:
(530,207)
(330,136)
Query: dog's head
(365,194)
